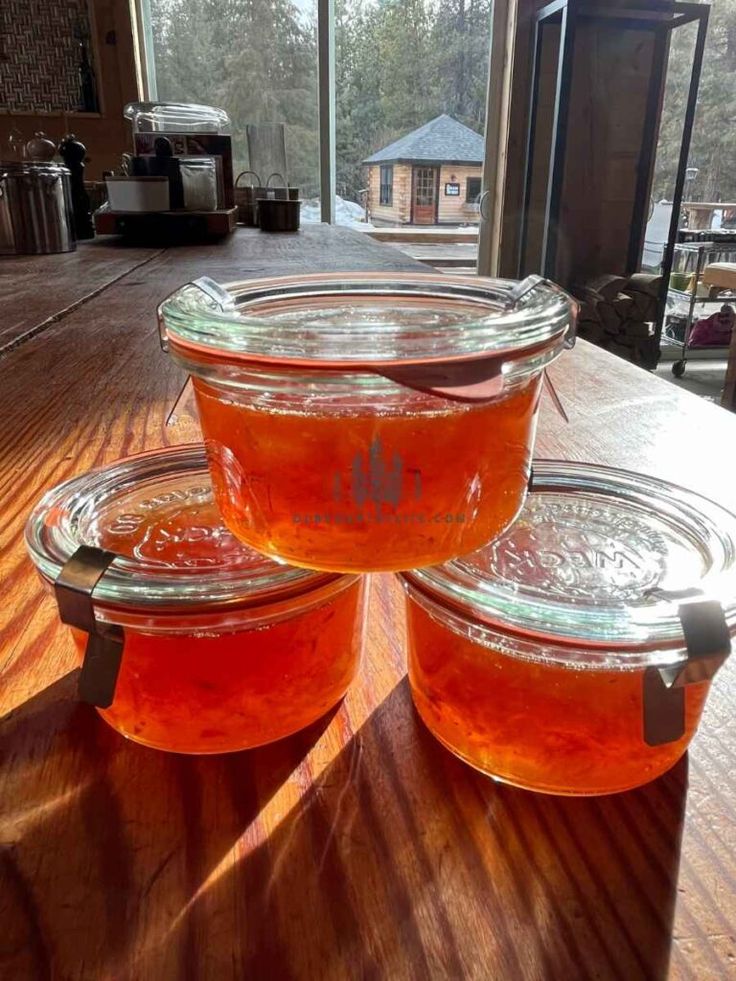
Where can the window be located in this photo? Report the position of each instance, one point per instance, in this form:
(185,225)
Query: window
(199,56)
(399,65)
(472,190)
(387,184)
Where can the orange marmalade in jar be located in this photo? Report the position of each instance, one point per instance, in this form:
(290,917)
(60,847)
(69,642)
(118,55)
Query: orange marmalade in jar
(356,422)
(189,640)
(574,655)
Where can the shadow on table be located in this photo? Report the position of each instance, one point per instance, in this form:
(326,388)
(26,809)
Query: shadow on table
(401,861)
(82,808)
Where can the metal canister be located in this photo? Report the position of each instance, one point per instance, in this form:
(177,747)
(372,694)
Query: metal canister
(35,208)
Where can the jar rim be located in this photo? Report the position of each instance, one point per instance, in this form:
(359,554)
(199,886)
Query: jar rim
(231,576)
(595,569)
(348,321)
(174,117)
(19,168)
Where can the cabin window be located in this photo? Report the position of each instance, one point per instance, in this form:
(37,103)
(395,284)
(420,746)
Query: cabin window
(387,184)
(472,190)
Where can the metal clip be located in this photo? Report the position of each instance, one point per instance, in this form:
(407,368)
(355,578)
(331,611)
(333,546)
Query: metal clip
(708,642)
(533,282)
(162,338)
(523,288)
(209,287)
(552,391)
(73,590)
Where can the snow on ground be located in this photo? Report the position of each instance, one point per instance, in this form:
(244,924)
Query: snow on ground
(346,213)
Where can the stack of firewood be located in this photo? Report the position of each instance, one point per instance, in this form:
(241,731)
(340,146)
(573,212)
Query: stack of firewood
(619,313)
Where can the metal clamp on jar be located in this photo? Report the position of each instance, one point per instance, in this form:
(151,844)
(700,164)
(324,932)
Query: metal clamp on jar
(574,655)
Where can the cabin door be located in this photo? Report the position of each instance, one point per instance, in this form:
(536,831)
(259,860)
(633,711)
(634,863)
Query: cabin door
(424,196)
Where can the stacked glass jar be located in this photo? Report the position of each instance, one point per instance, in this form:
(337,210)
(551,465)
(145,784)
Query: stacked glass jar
(560,638)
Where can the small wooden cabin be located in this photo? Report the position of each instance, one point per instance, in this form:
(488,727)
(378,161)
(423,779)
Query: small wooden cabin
(431,176)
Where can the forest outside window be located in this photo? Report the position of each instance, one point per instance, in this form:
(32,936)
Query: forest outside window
(199,56)
(387,184)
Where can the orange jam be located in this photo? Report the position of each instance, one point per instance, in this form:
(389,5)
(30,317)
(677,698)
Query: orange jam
(359,422)
(223,649)
(363,489)
(574,654)
(540,726)
(219,691)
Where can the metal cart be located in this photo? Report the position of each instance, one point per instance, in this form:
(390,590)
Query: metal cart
(692,258)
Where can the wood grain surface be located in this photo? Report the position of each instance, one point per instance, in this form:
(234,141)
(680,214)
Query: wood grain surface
(359,848)
(36,291)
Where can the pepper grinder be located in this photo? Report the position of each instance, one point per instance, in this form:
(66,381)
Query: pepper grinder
(73,153)
(40,147)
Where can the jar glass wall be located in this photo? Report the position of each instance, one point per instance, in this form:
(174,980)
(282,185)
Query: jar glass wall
(364,423)
(329,480)
(217,690)
(548,727)
(222,648)
(574,655)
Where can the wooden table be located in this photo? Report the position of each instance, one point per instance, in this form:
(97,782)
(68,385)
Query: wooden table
(359,848)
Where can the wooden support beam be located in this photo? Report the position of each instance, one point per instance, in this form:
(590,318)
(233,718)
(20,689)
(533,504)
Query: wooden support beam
(498,108)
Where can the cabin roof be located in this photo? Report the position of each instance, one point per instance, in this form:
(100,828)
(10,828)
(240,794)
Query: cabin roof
(441,140)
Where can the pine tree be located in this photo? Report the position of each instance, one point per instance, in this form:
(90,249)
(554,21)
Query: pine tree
(460,43)
(358,97)
(714,133)
(256,60)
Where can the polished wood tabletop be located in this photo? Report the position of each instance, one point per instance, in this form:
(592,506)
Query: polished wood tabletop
(359,848)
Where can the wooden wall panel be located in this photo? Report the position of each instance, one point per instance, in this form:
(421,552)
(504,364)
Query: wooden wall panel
(106,135)
(455,210)
(608,103)
(400,209)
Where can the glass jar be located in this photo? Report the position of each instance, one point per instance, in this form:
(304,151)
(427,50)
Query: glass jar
(176,117)
(359,422)
(218,648)
(574,655)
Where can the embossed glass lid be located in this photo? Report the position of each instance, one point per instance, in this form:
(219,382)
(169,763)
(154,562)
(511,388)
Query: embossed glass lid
(360,320)
(155,511)
(599,559)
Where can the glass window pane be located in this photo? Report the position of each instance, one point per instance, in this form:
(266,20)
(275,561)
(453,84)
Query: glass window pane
(257,60)
(402,66)
(472,190)
(387,184)
(709,194)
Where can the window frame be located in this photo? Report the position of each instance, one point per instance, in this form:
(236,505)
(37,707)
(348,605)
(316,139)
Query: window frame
(385,187)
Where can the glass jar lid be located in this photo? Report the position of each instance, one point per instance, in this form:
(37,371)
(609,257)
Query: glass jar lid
(596,567)
(365,320)
(176,117)
(156,512)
